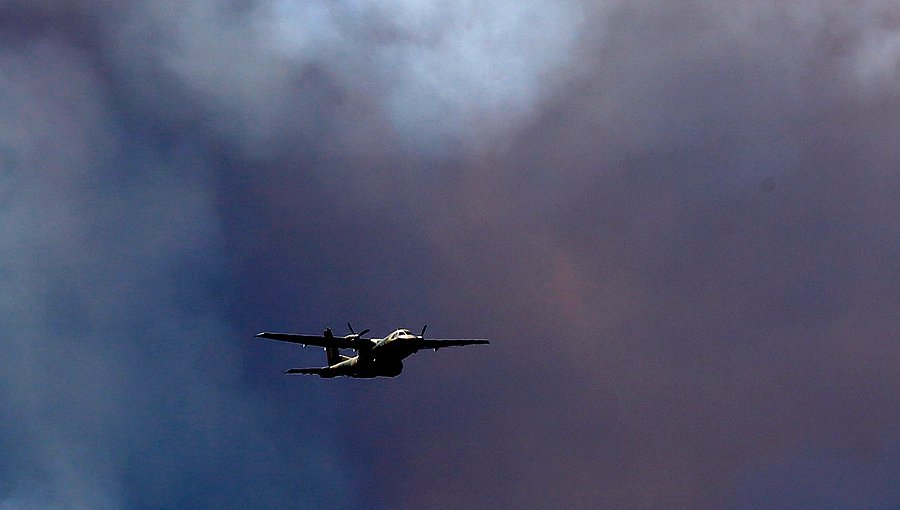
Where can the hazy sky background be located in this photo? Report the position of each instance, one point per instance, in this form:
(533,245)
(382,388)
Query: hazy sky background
(678,224)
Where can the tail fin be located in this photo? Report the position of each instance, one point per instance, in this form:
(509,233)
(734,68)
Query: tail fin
(332,354)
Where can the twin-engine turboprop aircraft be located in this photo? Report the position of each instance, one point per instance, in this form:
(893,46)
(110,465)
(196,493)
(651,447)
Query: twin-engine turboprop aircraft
(375,356)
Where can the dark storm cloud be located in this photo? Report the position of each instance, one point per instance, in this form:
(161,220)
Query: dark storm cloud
(678,224)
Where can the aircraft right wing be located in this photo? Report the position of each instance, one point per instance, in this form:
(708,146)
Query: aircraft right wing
(441,343)
(321,372)
(318,340)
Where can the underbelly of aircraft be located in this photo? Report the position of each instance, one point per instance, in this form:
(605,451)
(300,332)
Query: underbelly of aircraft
(380,368)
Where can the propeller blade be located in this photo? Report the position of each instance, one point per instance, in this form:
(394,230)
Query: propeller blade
(350,328)
(423,330)
(363,332)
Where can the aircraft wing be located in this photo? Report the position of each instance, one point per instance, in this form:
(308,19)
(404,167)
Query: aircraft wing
(307,371)
(319,340)
(440,344)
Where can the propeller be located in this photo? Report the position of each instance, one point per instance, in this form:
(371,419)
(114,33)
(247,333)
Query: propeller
(423,331)
(354,333)
(363,347)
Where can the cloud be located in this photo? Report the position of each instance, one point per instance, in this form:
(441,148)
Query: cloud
(433,74)
(675,222)
(678,257)
(121,378)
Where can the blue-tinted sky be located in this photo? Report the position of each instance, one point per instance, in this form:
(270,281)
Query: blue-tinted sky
(678,224)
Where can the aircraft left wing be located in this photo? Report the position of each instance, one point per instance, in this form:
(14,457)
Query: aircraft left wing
(318,340)
(440,344)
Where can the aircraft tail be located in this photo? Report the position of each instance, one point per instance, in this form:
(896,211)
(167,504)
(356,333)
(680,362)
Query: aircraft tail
(332,354)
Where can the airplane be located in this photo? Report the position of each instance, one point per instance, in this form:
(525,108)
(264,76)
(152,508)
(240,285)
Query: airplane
(376,357)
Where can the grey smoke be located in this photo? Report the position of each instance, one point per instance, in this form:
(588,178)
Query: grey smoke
(431,73)
(118,372)
(677,222)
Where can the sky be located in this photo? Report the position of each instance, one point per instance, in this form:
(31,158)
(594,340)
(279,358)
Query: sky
(679,225)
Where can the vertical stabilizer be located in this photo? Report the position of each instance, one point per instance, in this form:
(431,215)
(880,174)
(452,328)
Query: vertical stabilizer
(332,354)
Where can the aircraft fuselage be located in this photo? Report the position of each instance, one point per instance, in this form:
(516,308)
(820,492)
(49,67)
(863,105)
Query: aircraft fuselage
(383,359)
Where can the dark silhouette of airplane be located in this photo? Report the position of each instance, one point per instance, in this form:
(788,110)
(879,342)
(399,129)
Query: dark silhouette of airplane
(376,357)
